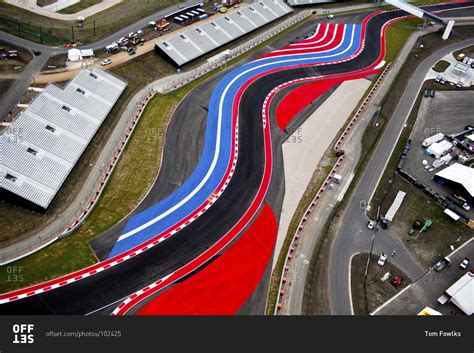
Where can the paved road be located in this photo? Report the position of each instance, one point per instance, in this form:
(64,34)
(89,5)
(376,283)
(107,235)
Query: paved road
(354,236)
(430,287)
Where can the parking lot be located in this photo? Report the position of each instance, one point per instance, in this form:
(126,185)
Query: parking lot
(457,73)
(429,288)
(448,112)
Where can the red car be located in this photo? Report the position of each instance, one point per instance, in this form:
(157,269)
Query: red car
(397,281)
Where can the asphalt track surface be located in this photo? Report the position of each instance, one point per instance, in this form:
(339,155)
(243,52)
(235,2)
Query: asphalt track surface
(107,287)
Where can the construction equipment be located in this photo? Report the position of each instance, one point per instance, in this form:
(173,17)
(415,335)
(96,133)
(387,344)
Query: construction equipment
(427,224)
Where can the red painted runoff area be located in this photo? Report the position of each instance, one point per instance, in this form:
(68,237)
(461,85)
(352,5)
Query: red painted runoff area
(223,286)
(300,97)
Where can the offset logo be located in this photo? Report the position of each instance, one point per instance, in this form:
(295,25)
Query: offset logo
(23,333)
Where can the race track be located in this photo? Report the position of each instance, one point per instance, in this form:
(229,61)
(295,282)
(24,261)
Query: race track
(204,228)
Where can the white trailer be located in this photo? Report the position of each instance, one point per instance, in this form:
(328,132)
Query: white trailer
(432,139)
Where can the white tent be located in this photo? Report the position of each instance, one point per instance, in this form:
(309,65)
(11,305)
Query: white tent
(74,55)
(438,149)
(77,54)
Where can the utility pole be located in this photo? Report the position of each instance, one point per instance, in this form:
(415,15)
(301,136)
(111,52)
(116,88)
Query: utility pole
(72,32)
(41,34)
(94,28)
(19,27)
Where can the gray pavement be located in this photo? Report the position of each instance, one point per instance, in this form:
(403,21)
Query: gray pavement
(427,289)
(346,243)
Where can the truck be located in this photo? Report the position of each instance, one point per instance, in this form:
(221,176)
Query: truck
(460,57)
(433,139)
(441,264)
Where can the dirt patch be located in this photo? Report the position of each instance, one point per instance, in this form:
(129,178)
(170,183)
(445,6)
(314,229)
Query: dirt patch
(368,293)
(13,64)
(436,242)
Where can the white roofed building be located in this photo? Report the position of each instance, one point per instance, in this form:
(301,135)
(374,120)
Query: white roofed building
(457,174)
(461,293)
(45,141)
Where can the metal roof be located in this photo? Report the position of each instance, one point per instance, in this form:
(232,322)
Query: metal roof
(203,38)
(460,174)
(43,144)
(462,293)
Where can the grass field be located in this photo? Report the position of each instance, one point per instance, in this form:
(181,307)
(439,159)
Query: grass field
(28,25)
(43,3)
(441,66)
(83,4)
(73,252)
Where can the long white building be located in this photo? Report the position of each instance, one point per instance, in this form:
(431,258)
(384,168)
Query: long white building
(42,146)
(203,38)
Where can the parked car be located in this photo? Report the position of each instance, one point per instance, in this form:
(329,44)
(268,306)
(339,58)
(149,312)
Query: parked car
(464,263)
(106,62)
(330,16)
(432,93)
(382,259)
(371,224)
(444,262)
(426,93)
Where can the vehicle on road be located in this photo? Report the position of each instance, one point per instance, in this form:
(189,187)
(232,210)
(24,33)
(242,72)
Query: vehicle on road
(382,259)
(330,16)
(464,263)
(441,264)
(131,51)
(106,62)
(371,224)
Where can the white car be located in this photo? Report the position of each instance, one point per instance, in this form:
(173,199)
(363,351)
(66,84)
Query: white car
(330,16)
(371,225)
(466,206)
(382,259)
(106,62)
(464,263)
